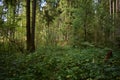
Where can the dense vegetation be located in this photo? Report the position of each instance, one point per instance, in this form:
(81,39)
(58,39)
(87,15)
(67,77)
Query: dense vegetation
(59,39)
(60,64)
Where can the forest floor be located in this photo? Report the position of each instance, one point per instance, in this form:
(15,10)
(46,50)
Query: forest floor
(60,64)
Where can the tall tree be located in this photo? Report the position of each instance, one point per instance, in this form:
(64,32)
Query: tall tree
(30,28)
(82,23)
(33,25)
(28,34)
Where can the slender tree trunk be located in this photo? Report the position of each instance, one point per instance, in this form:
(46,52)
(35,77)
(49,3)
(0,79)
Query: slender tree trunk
(33,25)
(14,13)
(28,34)
(110,6)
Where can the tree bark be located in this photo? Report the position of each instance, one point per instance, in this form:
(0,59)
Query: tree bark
(28,34)
(33,25)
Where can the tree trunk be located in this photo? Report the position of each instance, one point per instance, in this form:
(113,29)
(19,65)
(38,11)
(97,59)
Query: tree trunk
(33,25)
(28,34)
(110,6)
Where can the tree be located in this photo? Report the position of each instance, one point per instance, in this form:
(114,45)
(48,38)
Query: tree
(28,34)
(33,25)
(82,23)
(30,29)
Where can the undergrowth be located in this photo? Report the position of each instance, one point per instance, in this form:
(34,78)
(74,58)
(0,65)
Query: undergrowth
(60,64)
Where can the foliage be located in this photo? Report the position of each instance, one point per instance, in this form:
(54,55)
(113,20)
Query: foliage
(72,38)
(60,64)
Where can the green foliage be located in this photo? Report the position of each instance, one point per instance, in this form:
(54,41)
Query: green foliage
(60,64)
(79,23)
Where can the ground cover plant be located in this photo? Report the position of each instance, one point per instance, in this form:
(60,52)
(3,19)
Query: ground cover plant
(60,64)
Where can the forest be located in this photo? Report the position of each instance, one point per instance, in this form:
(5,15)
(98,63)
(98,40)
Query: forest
(59,39)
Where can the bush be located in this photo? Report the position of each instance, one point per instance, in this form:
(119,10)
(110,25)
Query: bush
(60,64)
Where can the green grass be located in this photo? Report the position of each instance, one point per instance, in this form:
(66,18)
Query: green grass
(60,64)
